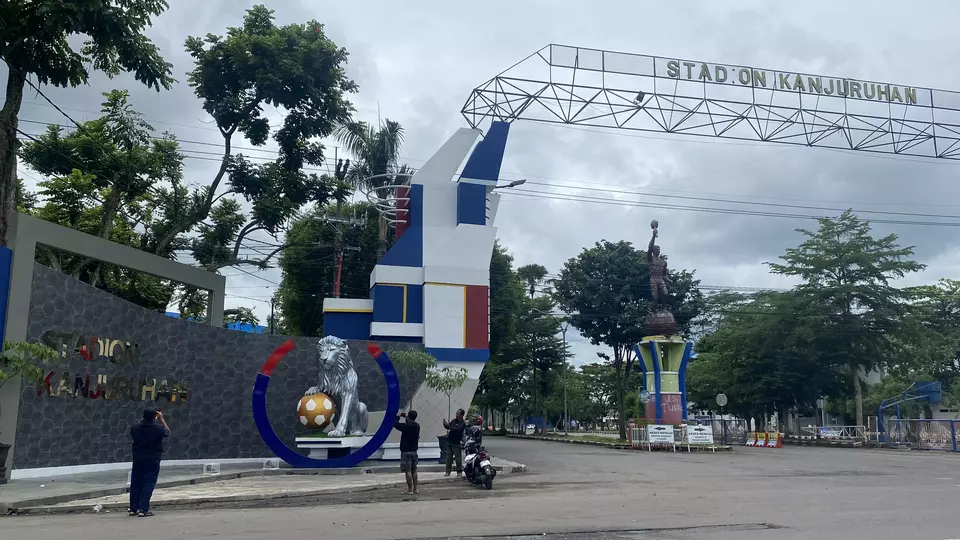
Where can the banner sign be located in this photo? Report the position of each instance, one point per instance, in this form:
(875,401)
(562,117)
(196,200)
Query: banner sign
(660,434)
(699,435)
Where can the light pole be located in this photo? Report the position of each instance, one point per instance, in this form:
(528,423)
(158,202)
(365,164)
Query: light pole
(566,417)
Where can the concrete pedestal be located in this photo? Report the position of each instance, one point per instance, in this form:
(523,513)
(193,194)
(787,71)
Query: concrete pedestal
(332,447)
(664,365)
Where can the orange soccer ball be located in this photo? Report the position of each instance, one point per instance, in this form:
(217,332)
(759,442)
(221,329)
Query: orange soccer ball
(316,411)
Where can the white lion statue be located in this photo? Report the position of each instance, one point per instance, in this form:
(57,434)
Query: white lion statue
(338,379)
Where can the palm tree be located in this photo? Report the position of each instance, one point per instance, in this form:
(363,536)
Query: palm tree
(375,153)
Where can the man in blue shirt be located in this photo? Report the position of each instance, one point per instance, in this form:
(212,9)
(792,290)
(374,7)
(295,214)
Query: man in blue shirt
(148,435)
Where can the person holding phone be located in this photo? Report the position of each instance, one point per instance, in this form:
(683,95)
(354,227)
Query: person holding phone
(148,435)
(409,443)
(455,429)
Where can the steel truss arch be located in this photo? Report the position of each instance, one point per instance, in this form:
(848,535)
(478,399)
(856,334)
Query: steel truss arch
(588,87)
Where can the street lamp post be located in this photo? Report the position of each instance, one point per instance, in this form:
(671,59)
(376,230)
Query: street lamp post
(566,416)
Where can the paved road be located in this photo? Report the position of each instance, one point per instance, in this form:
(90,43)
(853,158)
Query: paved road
(579,492)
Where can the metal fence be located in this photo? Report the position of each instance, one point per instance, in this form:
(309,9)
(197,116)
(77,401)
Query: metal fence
(921,434)
(841,433)
(726,432)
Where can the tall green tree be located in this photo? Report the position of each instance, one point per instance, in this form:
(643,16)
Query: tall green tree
(298,70)
(376,156)
(37,40)
(929,340)
(105,169)
(606,291)
(771,353)
(540,349)
(532,275)
(295,69)
(501,380)
(848,272)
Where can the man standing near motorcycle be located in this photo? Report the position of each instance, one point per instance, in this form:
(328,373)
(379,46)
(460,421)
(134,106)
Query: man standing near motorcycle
(455,429)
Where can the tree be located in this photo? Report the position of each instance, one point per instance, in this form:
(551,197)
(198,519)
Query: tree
(500,386)
(20,359)
(240,315)
(539,349)
(36,40)
(929,340)
(309,265)
(418,362)
(376,155)
(606,291)
(770,353)
(99,181)
(446,380)
(600,382)
(532,275)
(296,68)
(848,273)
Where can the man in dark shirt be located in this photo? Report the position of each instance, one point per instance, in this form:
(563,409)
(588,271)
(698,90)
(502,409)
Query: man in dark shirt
(455,440)
(409,442)
(147,435)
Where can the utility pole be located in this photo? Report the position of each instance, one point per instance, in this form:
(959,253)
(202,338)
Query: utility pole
(566,414)
(273,316)
(340,250)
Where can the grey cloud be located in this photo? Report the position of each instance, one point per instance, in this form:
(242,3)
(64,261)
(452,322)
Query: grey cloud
(416,63)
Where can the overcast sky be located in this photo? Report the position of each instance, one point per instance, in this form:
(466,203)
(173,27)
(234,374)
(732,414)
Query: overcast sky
(416,63)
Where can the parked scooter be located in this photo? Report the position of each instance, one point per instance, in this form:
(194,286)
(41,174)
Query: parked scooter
(477,467)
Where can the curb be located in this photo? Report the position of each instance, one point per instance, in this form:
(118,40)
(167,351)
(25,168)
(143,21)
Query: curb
(77,508)
(615,446)
(612,446)
(11,507)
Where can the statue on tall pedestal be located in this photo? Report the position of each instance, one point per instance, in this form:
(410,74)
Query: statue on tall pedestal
(660,321)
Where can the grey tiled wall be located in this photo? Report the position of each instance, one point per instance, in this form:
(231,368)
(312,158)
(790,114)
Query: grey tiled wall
(217,367)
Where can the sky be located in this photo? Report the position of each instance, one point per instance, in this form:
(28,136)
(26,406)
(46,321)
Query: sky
(416,63)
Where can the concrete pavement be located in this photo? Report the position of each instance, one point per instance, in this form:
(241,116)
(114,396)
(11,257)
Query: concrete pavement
(182,485)
(584,492)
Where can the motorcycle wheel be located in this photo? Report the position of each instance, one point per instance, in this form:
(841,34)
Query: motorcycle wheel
(487,479)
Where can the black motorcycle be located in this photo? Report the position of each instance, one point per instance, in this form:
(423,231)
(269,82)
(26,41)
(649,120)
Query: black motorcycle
(476,466)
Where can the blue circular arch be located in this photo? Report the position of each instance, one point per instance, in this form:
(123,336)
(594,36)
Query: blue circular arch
(298,460)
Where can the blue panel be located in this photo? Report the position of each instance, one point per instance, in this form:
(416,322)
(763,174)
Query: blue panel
(414,303)
(643,367)
(484,162)
(408,250)
(655,355)
(459,355)
(682,375)
(387,303)
(416,206)
(347,325)
(397,339)
(471,203)
(6,259)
